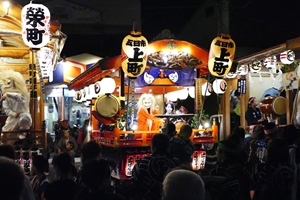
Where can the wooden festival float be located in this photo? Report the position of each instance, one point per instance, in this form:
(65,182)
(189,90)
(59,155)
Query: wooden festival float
(114,110)
(16,55)
(272,76)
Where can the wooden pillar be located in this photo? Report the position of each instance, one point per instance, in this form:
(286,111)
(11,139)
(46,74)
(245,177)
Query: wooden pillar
(289,106)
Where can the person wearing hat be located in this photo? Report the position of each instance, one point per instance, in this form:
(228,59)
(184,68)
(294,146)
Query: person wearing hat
(253,114)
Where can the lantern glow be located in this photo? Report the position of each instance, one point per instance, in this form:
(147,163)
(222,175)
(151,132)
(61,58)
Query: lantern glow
(134,54)
(221,55)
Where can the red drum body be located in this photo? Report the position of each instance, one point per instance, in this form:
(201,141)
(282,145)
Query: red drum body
(273,105)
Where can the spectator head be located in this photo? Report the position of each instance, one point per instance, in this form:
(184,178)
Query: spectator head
(240,132)
(12,179)
(160,142)
(227,150)
(237,93)
(169,129)
(69,145)
(278,151)
(40,164)
(66,133)
(183,184)
(271,130)
(258,132)
(62,163)
(96,174)
(290,134)
(185,131)
(8,151)
(90,151)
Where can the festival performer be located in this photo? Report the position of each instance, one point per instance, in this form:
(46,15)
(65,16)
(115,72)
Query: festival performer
(145,115)
(16,100)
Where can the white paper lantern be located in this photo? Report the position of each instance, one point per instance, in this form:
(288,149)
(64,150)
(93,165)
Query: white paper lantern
(255,67)
(231,75)
(287,57)
(270,62)
(192,91)
(107,85)
(183,94)
(219,86)
(242,70)
(206,89)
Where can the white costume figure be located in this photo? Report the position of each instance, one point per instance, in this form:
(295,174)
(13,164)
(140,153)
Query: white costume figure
(15,101)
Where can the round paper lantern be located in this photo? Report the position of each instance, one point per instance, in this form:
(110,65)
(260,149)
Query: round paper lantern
(192,91)
(255,67)
(221,55)
(107,85)
(134,54)
(270,62)
(78,96)
(231,75)
(287,57)
(183,94)
(242,70)
(206,89)
(219,86)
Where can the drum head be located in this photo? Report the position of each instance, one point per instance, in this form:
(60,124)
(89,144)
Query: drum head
(279,105)
(107,105)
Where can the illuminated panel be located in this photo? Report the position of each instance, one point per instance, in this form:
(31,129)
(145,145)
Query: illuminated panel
(199,158)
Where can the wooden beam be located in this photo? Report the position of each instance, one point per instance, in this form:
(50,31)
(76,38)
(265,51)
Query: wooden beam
(14,52)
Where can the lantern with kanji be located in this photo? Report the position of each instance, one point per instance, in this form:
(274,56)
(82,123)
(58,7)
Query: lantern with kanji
(221,55)
(134,54)
(35,25)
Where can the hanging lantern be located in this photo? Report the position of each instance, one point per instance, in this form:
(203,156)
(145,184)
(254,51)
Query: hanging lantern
(192,91)
(221,55)
(45,56)
(270,62)
(35,25)
(78,96)
(287,57)
(231,75)
(255,66)
(206,89)
(107,85)
(134,54)
(219,86)
(242,70)
(183,94)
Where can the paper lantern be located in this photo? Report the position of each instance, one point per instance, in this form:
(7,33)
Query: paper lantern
(242,70)
(134,54)
(192,91)
(206,89)
(45,56)
(35,25)
(107,85)
(221,55)
(78,96)
(231,75)
(219,86)
(183,94)
(270,62)
(287,57)
(255,66)
(97,88)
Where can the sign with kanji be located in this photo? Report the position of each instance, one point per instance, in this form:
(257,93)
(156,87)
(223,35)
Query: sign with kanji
(134,54)
(35,25)
(221,55)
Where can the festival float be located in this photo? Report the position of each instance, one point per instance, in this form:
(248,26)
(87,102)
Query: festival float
(28,38)
(131,96)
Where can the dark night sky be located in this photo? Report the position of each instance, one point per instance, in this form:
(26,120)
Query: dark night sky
(253,23)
